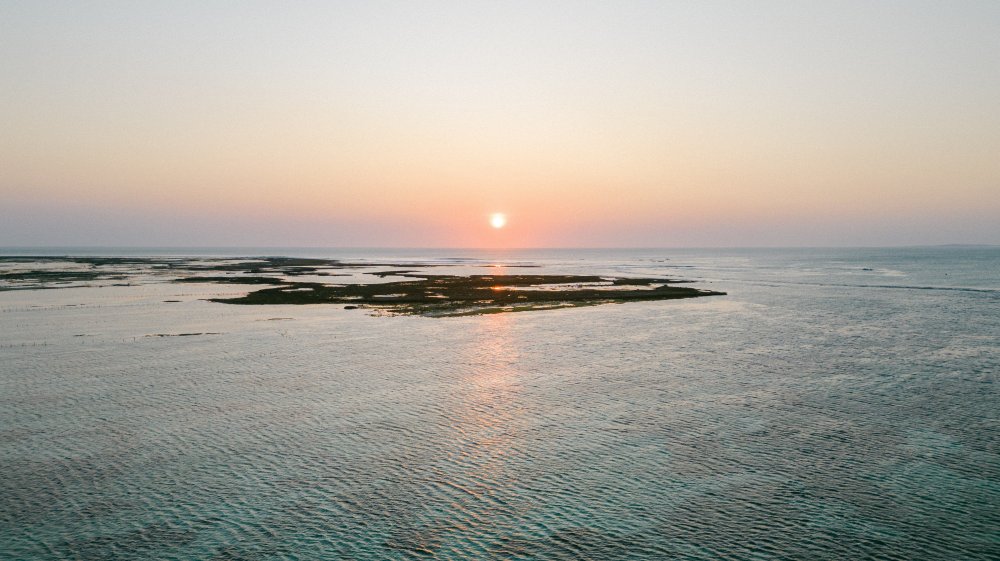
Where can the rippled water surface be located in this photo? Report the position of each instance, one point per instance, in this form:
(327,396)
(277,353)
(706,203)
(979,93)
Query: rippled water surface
(837,404)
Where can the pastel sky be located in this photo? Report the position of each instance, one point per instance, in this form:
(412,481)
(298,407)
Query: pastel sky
(643,124)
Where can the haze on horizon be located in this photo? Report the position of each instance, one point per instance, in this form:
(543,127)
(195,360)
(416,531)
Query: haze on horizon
(589,124)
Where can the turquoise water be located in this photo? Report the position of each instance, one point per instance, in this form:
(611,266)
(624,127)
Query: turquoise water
(837,404)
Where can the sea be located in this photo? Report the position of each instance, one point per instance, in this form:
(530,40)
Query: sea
(837,403)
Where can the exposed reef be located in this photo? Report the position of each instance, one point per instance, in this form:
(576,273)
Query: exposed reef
(448,295)
(278,282)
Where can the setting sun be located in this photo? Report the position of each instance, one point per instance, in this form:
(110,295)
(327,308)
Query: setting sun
(498,220)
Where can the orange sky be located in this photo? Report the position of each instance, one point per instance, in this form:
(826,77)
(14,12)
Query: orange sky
(643,124)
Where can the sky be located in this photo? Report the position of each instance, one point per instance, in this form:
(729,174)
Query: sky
(589,124)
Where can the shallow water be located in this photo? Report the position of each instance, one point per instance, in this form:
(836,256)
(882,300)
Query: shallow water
(837,404)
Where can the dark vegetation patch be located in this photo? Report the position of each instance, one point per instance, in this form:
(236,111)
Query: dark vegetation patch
(447,295)
(46,275)
(95,261)
(419,294)
(98,270)
(233,280)
(183,334)
(292,266)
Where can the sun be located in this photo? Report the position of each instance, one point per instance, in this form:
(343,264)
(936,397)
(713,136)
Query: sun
(498,220)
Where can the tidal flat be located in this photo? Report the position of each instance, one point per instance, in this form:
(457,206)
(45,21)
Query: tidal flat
(289,280)
(836,404)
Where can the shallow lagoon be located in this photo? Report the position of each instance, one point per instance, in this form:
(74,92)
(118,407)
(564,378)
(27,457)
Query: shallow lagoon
(836,404)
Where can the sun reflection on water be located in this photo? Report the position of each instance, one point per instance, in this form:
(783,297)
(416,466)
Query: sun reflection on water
(488,421)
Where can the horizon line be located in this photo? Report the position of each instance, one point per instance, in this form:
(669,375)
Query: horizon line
(490,248)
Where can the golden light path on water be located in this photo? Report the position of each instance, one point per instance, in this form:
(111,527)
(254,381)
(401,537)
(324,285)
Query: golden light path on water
(487,425)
